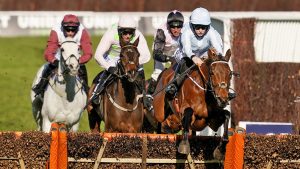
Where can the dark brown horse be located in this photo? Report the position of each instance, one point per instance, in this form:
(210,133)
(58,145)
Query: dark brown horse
(120,106)
(200,101)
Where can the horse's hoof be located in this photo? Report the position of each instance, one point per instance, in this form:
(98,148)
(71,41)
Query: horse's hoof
(184,147)
(218,155)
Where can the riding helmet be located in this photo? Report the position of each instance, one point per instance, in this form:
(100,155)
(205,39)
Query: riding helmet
(175,18)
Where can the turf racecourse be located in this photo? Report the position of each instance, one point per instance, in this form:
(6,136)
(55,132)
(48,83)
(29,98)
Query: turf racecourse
(20,58)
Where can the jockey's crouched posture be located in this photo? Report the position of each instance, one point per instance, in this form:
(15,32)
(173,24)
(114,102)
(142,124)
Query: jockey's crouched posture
(108,54)
(197,37)
(69,27)
(166,43)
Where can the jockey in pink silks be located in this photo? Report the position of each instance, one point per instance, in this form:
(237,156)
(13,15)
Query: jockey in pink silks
(69,27)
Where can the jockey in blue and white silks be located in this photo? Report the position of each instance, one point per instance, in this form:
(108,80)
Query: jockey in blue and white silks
(197,37)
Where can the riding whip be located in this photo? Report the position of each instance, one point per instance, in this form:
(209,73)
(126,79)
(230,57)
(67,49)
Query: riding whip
(183,74)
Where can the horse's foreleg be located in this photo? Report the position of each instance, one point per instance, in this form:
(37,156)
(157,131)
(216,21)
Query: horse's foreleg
(150,117)
(74,128)
(219,152)
(94,121)
(184,146)
(46,125)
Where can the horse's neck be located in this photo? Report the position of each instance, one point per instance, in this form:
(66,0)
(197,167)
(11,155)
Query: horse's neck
(127,90)
(204,72)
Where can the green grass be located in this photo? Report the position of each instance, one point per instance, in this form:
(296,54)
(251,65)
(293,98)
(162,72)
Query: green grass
(20,58)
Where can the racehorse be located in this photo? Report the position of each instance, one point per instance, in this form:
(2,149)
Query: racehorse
(121,106)
(64,97)
(200,101)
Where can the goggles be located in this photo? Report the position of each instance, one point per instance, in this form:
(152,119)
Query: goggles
(203,27)
(70,28)
(126,31)
(176,24)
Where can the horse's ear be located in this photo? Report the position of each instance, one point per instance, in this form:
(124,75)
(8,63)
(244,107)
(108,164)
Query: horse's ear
(136,42)
(227,55)
(211,53)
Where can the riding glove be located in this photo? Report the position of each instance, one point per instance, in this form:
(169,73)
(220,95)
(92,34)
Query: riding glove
(197,60)
(171,59)
(112,70)
(54,64)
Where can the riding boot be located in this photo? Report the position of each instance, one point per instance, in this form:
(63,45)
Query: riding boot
(178,79)
(100,84)
(151,86)
(39,88)
(83,76)
(147,101)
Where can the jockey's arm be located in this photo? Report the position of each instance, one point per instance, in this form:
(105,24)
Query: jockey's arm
(52,46)
(103,47)
(86,46)
(186,43)
(216,41)
(159,44)
(143,50)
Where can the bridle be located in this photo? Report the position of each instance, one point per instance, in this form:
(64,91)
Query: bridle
(124,74)
(129,62)
(65,69)
(208,82)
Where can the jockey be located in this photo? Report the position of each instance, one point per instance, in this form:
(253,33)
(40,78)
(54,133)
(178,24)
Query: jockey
(69,27)
(197,37)
(166,42)
(108,53)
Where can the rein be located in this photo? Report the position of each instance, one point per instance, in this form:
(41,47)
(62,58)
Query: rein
(183,74)
(121,107)
(68,41)
(129,45)
(52,83)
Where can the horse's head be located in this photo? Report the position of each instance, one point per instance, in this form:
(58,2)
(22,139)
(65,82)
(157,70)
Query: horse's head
(129,59)
(220,76)
(70,54)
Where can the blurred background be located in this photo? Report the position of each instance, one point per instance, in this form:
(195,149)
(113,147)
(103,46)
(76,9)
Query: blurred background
(264,37)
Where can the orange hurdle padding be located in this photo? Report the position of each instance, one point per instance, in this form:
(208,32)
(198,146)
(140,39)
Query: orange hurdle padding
(170,137)
(62,157)
(234,157)
(53,146)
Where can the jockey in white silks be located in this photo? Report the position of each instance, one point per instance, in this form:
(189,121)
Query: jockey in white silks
(108,51)
(197,37)
(108,55)
(69,27)
(166,43)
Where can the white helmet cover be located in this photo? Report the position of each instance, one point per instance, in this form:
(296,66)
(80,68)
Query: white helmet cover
(200,16)
(127,22)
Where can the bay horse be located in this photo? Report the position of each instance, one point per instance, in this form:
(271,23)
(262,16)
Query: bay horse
(121,106)
(200,102)
(64,97)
